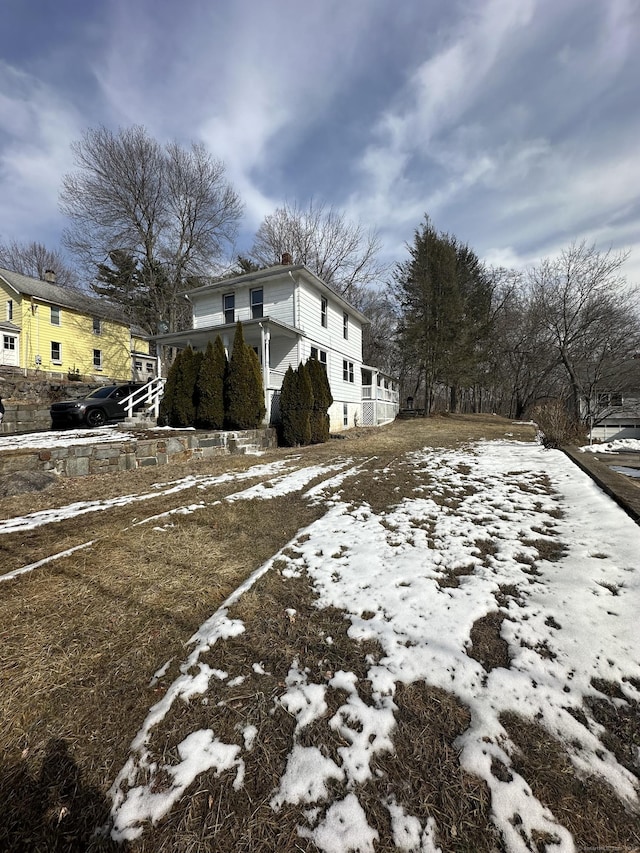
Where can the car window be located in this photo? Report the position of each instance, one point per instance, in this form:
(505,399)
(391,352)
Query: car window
(102,392)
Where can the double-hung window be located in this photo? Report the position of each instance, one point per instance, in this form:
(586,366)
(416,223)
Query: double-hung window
(97,359)
(9,309)
(56,352)
(323,311)
(257,304)
(55,315)
(347,371)
(97,326)
(229,305)
(345,325)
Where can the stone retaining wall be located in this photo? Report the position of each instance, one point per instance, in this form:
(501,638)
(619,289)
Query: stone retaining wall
(110,457)
(24,417)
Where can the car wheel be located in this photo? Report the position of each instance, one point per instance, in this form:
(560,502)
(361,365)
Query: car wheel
(96,418)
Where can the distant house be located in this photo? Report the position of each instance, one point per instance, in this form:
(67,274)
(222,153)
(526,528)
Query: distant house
(289,315)
(613,411)
(62,331)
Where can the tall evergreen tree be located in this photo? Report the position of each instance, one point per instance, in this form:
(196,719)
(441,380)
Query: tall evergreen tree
(322,399)
(446,299)
(245,396)
(184,406)
(210,387)
(168,398)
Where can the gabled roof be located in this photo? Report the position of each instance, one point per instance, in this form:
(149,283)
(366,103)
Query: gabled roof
(271,272)
(65,297)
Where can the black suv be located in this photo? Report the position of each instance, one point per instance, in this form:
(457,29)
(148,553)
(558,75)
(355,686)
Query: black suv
(102,405)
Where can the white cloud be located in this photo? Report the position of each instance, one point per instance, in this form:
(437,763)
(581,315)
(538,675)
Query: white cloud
(38,126)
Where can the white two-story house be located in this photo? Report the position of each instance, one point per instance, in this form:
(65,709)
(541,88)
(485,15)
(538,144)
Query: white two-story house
(288,315)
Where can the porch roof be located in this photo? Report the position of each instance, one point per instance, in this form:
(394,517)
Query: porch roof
(251,329)
(6,326)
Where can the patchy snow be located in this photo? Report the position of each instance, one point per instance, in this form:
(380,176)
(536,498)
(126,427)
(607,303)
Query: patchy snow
(572,621)
(617,446)
(62,438)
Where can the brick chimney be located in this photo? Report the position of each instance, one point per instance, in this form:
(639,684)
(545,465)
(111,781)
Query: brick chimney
(287,260)
(50,276)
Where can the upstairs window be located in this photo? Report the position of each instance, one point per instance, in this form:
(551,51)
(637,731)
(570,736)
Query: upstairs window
(229,307)
(97,326)
(345,326)
(55,315)
(9,309)
(323,311)
(256,304)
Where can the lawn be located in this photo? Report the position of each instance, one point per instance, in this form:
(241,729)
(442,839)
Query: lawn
(416,638)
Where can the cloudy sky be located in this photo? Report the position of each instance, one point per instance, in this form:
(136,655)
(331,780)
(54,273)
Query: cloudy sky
(513,123)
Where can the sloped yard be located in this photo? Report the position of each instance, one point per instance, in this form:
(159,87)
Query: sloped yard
(420,638)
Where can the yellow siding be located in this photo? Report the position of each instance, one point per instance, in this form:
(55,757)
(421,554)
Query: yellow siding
(140,345)
(76,337)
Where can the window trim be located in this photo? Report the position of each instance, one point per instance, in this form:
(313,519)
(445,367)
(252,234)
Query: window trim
(58,359)
(324,311)
(226,310)
(348,371)
(58,314)
(97,364)
(255,306)
(97,325)
(345,325)
(9,309)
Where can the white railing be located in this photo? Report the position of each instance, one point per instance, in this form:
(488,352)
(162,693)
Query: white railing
(150,395)
(375,392)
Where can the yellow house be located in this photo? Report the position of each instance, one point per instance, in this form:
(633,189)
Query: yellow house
(59,330)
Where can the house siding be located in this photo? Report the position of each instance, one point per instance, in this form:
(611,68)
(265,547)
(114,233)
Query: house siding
(277,303)
(76,337)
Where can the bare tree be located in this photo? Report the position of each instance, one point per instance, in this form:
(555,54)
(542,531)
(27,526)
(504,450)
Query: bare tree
(343,254)
(35,259)
(590,315)
(168,208)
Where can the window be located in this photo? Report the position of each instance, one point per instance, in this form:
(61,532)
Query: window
(345,326)
(256,303)
(137,365)
(97,326)
(97,359)
(55,315)
(609,399)
(229,301)
(319,355)
(8,342)
(9,309)
(56,352)
(347,371)
(345,415)
(149,367)
(323,311)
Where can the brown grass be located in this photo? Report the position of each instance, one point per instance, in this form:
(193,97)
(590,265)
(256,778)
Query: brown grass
(81,637)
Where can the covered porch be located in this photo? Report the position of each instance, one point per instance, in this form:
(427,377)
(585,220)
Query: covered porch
(380,396)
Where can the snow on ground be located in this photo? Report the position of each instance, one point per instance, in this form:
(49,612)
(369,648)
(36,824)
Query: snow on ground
(62,438)
(572,621)
(620,444)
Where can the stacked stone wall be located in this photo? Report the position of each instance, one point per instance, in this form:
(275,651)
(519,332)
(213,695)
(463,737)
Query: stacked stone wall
(111,457)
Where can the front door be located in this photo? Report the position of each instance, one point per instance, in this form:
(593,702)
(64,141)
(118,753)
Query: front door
(9,352)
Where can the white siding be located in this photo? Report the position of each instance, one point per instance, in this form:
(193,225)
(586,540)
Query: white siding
(277,298)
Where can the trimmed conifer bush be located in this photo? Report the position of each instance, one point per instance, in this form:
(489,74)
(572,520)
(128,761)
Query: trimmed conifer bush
(168,396)
(210,387)
(322,399)
(296,403)
(184,405)
(245,397)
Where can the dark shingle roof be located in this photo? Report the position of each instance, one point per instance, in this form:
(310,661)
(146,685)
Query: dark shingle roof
(65,297)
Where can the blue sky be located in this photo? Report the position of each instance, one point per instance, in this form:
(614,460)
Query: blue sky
(515,124)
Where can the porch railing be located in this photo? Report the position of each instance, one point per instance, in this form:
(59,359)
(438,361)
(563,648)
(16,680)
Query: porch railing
(149,396)
(375,392)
